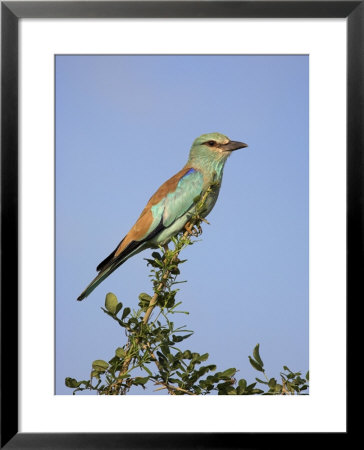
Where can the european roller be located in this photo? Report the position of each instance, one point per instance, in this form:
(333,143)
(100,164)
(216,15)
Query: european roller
(173,204)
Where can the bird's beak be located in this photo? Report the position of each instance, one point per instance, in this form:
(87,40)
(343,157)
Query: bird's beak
(233,145)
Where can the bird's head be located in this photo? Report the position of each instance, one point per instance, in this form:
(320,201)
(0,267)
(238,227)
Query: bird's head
(214,146)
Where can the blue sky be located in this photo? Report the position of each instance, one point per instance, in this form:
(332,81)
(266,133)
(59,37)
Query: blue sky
(125,124)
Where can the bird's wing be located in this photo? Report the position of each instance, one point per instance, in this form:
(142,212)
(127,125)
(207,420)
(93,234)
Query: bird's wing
(182,199)
(173,199)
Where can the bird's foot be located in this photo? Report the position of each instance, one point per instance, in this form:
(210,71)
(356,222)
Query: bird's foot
(194,230)
(188,227)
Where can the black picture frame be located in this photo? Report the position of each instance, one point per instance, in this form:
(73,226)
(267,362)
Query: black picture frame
(11,12)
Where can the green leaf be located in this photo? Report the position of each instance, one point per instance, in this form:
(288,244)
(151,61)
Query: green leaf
(251,386)
(111,302)
(114,361)
(298,380)
(286,368)
(228,373)
(308,375)
(95,374)
(165,349)
(147,370)
(153,262)
(257,356)
(180,338)
(272,383)
(72,382)
(100,365)
(226,389)
(157,255)
(255,364)
(144,297)
(203,357)
(261,381)
(231,391)
(256,391)
(141,380)
(125,313)
(120,352)
(187,354)
(118,308)
(123,375)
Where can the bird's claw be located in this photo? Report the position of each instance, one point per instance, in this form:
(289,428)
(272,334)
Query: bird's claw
(188,227)
(194,230)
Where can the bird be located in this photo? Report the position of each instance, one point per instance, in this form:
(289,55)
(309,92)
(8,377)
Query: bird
(173,204)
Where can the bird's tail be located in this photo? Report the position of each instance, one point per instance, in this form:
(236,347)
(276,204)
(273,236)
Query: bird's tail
(111,263)
(99,279)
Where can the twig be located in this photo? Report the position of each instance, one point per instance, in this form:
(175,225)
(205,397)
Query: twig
(174,388)
(285,391)
(189,231)
(154,299)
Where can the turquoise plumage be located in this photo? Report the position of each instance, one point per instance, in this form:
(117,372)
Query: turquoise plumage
(179,202)
(172,205)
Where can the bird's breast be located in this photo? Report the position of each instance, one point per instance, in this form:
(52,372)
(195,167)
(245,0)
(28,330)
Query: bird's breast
(210,200)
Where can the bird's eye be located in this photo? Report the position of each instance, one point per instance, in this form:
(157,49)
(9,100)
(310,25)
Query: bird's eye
(211,143)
